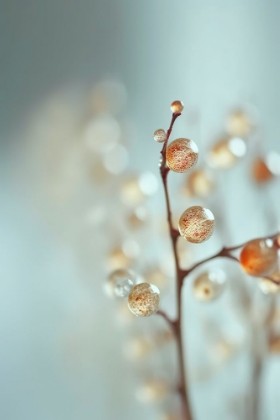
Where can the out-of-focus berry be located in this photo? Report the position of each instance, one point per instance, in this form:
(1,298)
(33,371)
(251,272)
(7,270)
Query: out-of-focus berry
(160,135)
(209,285)
(259,257)
(120,282)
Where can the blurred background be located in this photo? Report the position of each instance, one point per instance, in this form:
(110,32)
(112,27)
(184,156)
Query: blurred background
(83,87)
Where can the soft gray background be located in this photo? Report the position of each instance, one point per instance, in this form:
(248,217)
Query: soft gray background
(211,55)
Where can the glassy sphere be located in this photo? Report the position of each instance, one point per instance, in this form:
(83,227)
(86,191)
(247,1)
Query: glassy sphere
(160,135)
(120,282)
(153,390)
(226,152)
(177,107)
(268,287)
(259,257)
(144,299)
(200,183)
(181,155)
(239,123)
(260,171)
(209,285)
(196,224)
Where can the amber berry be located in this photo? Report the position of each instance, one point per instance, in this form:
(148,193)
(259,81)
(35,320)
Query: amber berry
(177,107)
(144,299)
(259,257)
(196,224)
(181,155)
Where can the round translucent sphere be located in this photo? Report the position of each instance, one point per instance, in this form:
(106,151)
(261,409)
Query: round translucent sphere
(200,183)
(239,123)
(160,135)
(121,282)
(209,285)
(196,224)
(181,155)
(177,107)
(260,172)
(226,152)
(259,257)
(144,299)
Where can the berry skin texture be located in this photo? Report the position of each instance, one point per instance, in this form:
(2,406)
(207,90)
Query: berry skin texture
(181,155)
(160,135)
(196,224)
(144,299)
(259,257)
(177,107)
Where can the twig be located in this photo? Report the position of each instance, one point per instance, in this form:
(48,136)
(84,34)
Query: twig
(176,325)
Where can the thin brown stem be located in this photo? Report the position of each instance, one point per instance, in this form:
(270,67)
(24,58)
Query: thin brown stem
(176,325)
(226,252)
(181,274)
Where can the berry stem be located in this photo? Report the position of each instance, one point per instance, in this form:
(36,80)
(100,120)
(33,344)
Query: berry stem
(227,253)
(176,325)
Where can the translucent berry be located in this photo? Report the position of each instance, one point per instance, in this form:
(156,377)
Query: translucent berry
(181,155)
(196,224)
(260,171)
(153,390)
(144,299)
(200,183)
(120,282)
(259,257)
(160,135)
(177,107)
(226,152)
(209,285)
(239,123)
